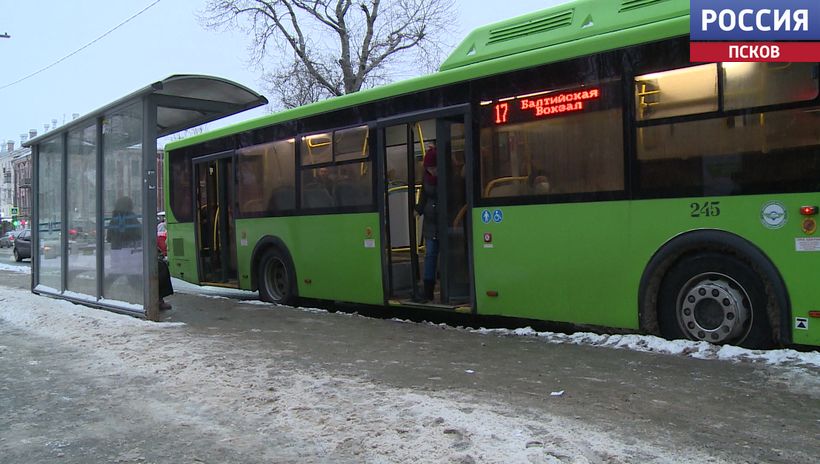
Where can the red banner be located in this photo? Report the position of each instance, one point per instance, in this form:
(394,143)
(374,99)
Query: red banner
(787,52)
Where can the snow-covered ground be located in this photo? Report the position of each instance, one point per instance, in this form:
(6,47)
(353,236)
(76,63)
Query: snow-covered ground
(17,269)
(352,416)
(643,343)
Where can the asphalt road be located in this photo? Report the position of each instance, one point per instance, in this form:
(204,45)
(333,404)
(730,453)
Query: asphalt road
(684,408)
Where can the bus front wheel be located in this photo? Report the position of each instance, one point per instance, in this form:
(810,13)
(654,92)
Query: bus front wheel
(276,278)
(717,298)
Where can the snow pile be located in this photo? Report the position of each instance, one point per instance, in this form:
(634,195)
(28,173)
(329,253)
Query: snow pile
(651,344)
(230,387)
(17,269)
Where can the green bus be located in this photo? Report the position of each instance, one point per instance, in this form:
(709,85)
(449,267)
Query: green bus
(588,173)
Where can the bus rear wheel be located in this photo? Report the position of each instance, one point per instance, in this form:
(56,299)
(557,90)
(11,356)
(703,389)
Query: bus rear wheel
(717,298)
(276,278)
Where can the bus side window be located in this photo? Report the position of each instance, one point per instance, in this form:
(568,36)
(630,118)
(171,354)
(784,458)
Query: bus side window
(748,85)
(677,92)
(266,178)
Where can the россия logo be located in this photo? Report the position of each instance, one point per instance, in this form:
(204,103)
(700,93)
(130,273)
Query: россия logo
(755,30)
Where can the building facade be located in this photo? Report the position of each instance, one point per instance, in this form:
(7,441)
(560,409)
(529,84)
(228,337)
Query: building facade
(6,185)
(21,166)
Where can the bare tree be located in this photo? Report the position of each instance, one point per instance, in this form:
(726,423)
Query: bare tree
(330,48)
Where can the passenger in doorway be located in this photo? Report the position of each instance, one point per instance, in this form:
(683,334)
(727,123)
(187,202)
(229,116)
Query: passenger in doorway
(427,208)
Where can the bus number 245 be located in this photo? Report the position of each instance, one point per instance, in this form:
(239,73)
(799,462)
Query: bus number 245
(705,209)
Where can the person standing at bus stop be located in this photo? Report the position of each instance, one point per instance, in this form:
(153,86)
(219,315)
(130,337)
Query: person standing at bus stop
(427,207)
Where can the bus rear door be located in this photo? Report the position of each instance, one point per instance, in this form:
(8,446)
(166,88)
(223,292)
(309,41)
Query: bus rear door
(215,222)
(402,146)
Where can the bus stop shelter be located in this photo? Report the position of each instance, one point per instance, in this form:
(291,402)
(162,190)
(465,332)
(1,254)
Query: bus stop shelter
(95,188)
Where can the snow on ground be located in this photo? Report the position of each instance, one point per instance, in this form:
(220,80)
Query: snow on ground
(351,416)
(651,344)
(642,343)
(17,269)
(242,390)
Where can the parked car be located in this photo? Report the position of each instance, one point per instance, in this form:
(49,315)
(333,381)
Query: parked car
(22,245)
(7,239)
(50,245)
(162,239)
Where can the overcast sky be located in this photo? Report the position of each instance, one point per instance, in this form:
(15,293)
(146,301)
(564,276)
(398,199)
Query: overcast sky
(166,39)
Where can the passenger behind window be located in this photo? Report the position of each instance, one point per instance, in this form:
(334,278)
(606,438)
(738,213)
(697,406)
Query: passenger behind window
(538,183)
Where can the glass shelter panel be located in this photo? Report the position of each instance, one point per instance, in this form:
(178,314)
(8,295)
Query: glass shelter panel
(82,210)
(50,200)
(122,205)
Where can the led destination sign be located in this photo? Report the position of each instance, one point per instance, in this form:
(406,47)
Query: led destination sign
(542,104)
(755,30)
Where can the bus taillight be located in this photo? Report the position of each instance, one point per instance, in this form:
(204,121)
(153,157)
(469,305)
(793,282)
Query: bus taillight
(808,210)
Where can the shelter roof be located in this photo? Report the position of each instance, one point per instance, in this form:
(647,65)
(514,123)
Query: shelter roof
(183,101)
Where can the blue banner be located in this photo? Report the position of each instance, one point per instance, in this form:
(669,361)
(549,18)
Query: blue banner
(751,20)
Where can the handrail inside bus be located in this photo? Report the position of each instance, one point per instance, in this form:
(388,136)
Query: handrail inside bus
(403,188)
(421,140)
(216,228)
(502,180)
(406,187)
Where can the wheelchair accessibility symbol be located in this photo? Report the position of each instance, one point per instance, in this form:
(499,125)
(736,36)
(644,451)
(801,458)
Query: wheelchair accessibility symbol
(498,216)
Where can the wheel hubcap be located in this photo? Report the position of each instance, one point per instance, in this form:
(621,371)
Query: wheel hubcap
(276,279)
(714,308)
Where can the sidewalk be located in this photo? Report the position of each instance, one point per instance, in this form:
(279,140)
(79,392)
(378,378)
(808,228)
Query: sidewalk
(245,382)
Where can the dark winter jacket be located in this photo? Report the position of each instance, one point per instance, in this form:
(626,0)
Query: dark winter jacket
(427,207)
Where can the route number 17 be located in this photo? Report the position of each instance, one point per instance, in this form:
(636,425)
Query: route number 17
(502,113)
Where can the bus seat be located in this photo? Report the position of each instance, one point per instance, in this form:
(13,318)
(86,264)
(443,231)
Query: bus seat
(282,199)
(506,187)
(316,196)
(254,205)
(352,194)
(346,194)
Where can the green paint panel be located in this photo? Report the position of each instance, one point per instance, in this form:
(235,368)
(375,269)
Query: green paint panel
(166,188)
(182,251)
(334,252)
(583,263)
(558,263)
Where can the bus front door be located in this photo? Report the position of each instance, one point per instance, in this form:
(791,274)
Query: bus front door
(215,226)
(403,148)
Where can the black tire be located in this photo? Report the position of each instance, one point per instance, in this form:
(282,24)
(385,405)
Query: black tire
(276,279)
(715,297)
(17,256)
